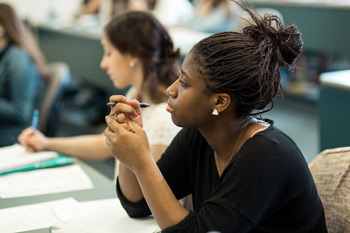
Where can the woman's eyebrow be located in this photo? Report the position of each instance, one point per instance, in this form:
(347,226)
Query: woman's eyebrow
(184,74)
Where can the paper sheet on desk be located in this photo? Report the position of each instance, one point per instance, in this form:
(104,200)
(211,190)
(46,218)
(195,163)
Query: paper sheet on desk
(15,156)
(44,181)
(35,216)
(107,216)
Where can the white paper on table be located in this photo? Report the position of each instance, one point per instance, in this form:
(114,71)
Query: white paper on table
(66,213)
(44,181)
(35,216)
(15,156)
(106,216)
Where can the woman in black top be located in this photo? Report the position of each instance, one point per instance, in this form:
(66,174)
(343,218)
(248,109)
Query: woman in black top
(244,174)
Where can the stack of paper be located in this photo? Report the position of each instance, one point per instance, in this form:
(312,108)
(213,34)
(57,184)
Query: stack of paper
(44,181)
(107,216)
(34,216)
(15,157)
(69,216)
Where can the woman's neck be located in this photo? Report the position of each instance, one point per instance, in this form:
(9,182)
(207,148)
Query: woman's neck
(227,136)
(224,134)
(144,93)
(3,43)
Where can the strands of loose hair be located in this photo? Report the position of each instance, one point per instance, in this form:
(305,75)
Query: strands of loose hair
(246,65)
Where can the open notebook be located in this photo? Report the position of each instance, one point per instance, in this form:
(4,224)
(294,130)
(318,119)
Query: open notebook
(15,157)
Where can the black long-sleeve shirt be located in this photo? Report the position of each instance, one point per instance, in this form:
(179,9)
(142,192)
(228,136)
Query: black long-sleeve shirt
(267,186)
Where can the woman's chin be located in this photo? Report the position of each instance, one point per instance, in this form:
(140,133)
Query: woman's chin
(119,85)
(175,121)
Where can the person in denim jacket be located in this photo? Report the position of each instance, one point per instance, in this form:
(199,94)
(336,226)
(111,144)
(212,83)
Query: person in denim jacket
(22,68)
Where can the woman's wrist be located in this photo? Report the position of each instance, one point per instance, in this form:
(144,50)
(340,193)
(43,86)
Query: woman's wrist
(144,166)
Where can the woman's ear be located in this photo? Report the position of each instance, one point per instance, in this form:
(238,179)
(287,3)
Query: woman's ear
(222,102)
(2,30)
(133,61)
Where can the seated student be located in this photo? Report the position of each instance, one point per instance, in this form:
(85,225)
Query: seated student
(107,9)
(212,16)
(22,68)
(138,52)
(244,174)
(173,13)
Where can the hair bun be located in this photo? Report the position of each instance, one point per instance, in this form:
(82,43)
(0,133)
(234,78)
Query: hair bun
(290,45)
(270,32)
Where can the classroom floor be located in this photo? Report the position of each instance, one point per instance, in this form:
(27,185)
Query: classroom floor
(297,118)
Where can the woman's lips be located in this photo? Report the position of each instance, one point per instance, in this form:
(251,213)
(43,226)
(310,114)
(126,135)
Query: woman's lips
(169,109)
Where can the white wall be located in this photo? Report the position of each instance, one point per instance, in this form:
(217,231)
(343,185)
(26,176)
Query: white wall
(37,11)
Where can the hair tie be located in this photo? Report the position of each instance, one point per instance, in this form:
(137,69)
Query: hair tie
(170,53)
(175,54)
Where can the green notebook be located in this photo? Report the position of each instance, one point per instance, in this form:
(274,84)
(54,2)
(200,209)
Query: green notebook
(58,161)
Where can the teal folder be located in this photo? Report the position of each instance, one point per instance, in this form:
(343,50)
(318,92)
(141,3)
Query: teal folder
(58,161)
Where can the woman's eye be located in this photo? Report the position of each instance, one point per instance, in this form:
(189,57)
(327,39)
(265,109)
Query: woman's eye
(182,83)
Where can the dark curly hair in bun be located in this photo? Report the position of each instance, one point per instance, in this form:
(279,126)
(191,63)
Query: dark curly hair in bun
(246,65)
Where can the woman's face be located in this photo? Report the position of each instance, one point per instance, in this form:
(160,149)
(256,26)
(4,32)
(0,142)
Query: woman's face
(3,38)
(117,65)
(190,104)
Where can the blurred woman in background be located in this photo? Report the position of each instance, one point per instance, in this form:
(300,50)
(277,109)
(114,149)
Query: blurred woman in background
(138,52)
(212,16)
(22,68)
(105,10)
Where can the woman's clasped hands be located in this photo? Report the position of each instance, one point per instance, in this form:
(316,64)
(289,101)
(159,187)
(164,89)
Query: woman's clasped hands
(125,137)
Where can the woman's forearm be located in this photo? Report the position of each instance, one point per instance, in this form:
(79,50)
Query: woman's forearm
(163,204)
(129,185)
(128,181)
(88,147)
(150,184)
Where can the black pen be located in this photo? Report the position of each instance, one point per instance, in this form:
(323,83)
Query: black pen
(142,105)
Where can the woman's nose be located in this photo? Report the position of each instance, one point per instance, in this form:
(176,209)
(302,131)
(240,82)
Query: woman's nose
(103,64)
(172,90)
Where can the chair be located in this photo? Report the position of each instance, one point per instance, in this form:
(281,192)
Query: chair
(244,19)
(59,78)
(331,172)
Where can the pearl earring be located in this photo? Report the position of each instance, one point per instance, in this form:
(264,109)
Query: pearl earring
(132,64)
(215,112)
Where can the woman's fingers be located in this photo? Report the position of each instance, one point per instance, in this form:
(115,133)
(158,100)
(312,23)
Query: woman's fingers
(121,119)
(123,105)
(115,131)
(115,125)
(23,138)
(120,124)
(118,99)
(136,105)
(123,108)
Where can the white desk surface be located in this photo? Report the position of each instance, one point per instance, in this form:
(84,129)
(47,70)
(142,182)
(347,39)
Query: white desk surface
(329,4)
(338,79)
